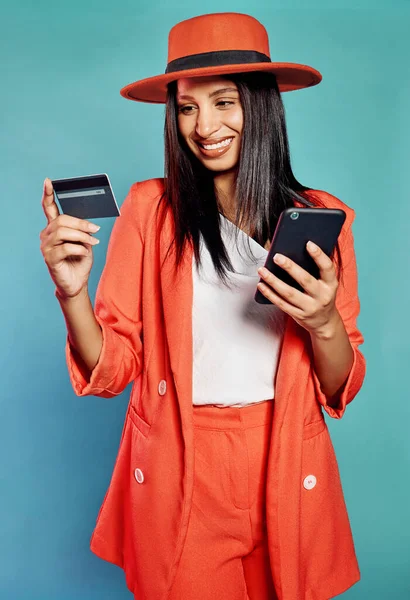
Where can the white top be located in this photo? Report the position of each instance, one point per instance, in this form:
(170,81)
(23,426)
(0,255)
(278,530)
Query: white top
(236,341)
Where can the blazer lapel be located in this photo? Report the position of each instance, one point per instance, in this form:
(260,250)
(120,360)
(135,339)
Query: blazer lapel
(177,297)
(293,346)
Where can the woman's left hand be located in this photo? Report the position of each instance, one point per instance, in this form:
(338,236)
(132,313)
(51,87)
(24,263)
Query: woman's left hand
(314,310)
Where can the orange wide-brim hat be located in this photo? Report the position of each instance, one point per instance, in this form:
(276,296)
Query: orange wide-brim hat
(219,44)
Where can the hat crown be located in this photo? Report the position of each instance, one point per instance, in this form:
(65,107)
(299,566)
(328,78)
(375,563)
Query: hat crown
(217,32)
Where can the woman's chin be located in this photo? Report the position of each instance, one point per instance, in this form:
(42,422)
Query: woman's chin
(219,166)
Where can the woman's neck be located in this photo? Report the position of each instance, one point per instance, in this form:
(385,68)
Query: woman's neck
(225,186)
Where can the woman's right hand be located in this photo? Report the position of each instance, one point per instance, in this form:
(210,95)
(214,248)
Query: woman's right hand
(66,245)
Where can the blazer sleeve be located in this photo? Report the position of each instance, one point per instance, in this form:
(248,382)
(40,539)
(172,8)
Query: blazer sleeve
(117,309)
(348,305)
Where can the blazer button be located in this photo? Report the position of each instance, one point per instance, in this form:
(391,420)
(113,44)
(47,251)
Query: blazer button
(139,475)
(309,482)
(162,387)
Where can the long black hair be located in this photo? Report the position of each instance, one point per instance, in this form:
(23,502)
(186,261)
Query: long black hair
(265,183)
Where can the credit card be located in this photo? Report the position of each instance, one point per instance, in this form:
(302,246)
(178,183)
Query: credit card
(89,197)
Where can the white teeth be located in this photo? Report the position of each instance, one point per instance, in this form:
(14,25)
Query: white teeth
(220,145)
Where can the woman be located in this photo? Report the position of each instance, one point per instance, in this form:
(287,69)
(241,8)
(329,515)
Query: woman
(213,495)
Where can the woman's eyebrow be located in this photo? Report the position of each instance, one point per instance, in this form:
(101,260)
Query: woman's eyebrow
(215,93)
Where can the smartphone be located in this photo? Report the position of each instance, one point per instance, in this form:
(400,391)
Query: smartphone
(295,227)
(87,197)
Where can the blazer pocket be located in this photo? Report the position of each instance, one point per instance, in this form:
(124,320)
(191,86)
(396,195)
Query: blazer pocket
(142,426)
(314,428)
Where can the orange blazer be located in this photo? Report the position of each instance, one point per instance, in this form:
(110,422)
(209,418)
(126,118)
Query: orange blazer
(144,307)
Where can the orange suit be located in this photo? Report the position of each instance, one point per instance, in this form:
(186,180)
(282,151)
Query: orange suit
(144,308)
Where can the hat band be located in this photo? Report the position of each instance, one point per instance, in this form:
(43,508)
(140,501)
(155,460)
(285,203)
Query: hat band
(216,59)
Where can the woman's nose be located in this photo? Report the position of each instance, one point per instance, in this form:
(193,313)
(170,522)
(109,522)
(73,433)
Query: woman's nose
(207,123)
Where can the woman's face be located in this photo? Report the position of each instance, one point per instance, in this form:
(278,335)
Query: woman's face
(210,119)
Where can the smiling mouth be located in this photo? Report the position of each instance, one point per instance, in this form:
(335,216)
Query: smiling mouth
(217,150)
(222,144)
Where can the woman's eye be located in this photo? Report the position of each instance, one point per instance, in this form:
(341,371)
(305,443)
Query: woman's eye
(189,109)
(186,110)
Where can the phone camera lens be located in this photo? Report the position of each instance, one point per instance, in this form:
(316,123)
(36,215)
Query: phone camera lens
(294,216)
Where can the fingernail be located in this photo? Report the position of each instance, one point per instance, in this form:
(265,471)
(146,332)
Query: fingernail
(311,246)
(94,227)
(279,259)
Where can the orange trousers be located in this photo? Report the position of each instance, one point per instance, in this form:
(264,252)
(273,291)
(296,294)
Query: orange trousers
(225,556)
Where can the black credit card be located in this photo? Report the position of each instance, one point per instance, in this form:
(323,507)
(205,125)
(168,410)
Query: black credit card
(89,197)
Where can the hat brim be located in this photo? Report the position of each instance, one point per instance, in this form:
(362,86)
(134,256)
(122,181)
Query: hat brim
(290,76)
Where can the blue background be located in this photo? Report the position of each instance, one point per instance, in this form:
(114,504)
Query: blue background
(61,115)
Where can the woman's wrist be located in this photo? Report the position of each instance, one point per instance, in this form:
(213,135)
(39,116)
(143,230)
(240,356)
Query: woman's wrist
(330,329)
(83,293)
